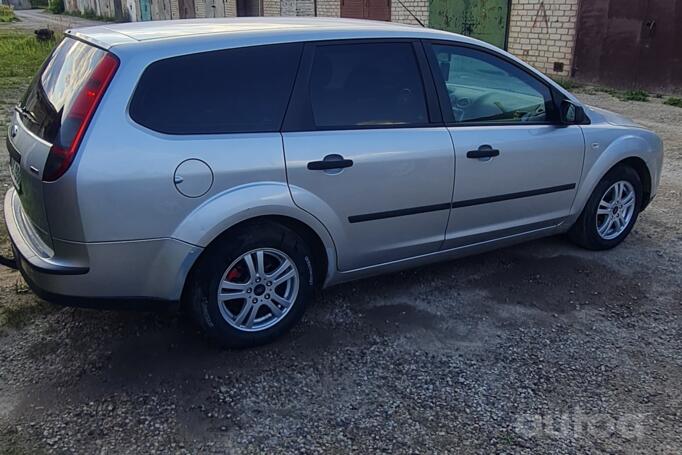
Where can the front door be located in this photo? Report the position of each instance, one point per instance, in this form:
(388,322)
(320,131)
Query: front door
(366,153)
(517,169)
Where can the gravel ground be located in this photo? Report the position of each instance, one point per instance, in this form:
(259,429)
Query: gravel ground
(538,348)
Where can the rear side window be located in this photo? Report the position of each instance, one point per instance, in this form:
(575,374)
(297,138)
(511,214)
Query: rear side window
(229,91)
(53,92)
(367,84)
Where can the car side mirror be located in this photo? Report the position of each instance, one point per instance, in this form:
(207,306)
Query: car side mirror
(572,113)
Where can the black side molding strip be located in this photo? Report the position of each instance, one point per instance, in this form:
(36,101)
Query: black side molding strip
(506,197)
(459,204)
(401,212)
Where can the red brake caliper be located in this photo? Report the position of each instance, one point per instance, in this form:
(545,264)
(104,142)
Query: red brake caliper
(234,274)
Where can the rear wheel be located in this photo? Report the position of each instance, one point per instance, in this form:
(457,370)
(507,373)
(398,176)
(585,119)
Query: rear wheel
(611,211)
(253,285)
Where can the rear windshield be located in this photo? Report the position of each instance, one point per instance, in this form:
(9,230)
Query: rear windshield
(55,87)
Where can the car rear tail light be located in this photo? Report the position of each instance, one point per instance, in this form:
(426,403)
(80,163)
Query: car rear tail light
(76,121)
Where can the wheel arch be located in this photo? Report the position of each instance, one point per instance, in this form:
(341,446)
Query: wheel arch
(235,208)
(639,165)
(634,162)
(631,150)
(323,255)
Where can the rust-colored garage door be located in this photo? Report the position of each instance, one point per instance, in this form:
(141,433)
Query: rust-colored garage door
(186,9)
(378,10)
(630,44)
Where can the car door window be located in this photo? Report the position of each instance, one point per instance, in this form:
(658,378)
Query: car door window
(483,88)
(366,85)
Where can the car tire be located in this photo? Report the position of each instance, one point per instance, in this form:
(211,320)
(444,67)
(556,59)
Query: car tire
(592,230)
(234,264)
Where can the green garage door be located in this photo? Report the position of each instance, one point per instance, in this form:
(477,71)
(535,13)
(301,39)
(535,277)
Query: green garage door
(482,19)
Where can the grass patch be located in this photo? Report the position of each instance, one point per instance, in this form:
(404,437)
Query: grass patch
(673,101)
(568,84)
(7,14)
(635,95)
(21,55)
(55,6)
(629,95)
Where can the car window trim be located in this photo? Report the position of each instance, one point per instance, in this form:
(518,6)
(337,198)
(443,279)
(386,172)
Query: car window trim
(444,100)
(299,116)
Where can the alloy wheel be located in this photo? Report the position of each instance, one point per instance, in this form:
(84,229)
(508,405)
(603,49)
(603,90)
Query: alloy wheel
(616,209)
(258,289)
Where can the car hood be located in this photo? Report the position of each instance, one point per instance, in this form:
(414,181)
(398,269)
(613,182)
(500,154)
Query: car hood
(597,114)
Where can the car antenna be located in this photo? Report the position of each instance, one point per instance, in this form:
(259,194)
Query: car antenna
(411,14)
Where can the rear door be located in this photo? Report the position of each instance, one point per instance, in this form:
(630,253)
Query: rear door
(39,121)
(517,168)
(366,150)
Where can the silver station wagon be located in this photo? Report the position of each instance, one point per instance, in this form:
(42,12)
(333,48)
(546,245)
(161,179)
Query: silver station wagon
(233,166)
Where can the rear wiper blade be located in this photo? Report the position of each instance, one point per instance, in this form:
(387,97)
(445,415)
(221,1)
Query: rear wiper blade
(26,113)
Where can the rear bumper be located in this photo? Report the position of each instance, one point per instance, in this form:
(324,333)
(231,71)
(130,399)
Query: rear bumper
(129,274)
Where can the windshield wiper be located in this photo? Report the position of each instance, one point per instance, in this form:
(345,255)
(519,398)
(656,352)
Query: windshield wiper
(26,114)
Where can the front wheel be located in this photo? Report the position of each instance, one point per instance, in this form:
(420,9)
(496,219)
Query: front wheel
(611,211)
(253,285)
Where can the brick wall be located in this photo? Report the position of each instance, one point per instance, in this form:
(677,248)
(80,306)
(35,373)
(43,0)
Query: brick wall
(296,7)
(305,8)
(272,8)
(199,8)
(175,9)
(329,8)
(420,9)
(542,33)
(230,8)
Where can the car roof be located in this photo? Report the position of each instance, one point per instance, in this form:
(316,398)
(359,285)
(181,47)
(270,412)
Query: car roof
(317,28)
(176,37)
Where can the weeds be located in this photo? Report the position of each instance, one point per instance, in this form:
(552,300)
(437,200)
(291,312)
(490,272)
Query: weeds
(56,6)
(673,101)
(7,14)
(21,55)
(635,95)
(629,95)
(568,84)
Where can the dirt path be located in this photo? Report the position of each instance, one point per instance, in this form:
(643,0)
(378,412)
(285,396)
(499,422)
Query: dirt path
(32,19)
(538,348)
